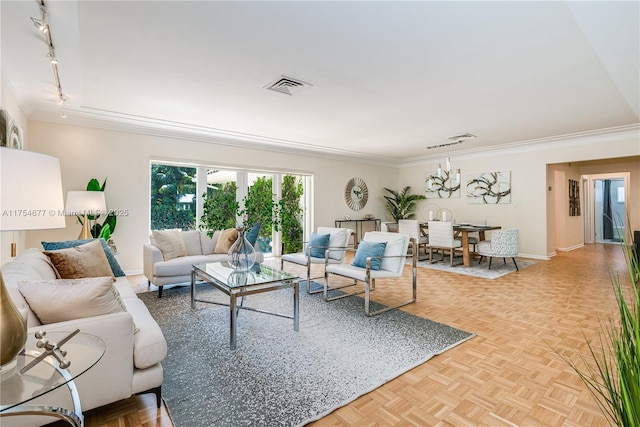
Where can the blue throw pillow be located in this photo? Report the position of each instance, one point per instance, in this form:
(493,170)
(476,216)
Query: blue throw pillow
(369,249)
(252,234)
(318,244)
(113,262)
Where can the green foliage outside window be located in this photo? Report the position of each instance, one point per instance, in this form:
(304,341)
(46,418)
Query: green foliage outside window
(291,214)
(171,206)
(220,208)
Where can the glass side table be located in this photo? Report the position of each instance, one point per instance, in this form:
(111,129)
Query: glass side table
(17,389)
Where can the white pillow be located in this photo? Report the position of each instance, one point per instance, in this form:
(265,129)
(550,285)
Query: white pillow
(59,300)
(169,242)
(191,241)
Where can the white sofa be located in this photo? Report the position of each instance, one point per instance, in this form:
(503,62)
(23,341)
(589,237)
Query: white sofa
(199,248)
(135,345)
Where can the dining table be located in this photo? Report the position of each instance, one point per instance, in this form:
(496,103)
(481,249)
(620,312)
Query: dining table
(462,231)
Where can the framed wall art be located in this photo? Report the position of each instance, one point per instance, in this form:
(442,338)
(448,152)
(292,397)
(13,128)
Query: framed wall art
(574,198)
(489,188)
(10,132)
(442,186)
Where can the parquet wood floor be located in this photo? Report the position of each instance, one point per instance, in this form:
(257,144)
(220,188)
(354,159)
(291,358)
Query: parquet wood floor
(507,375)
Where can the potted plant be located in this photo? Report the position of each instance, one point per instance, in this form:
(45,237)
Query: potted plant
(108,226)
(401,205)
(611,371)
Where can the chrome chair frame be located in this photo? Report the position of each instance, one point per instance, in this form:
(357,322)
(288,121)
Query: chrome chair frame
(297,258)
(370,283)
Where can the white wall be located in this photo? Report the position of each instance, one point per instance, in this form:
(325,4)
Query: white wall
(124,158)
(529,184)
(9,103)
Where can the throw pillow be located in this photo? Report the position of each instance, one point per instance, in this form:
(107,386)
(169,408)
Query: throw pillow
(227,238)
(209,243)
(170,243)
(113,262)
(369,249)
(191,241)
(318,244)
(60,300)
(252,234)
(88,260)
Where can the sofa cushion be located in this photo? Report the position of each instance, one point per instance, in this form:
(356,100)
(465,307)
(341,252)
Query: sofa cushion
(191,240)
(113,262)
(87,260)
(169,242)
(226,239)
(209,243)
(183,265)
(59,300)
(149,345)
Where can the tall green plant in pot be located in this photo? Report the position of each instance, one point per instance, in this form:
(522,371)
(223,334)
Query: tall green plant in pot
(108,226)
(611,371)
(220,208)
(402,205)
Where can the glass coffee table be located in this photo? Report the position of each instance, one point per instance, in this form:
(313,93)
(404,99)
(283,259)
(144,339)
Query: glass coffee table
(18,390)
(260,278)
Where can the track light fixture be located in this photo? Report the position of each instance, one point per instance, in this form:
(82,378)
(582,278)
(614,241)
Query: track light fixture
(43,25)
(52,56)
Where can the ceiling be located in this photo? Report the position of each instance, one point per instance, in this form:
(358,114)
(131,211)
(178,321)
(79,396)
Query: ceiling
(389,78)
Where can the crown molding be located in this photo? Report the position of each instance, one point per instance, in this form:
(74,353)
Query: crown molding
(567,140)
(107,120)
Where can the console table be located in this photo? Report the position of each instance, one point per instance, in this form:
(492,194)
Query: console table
(17,390)
(359,227)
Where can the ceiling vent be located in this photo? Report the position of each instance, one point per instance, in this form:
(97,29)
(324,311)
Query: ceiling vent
(461,136)
(287,85)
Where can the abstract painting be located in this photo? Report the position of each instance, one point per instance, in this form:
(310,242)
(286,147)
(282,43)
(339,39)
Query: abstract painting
(489,188)
(442,186)
(10,132)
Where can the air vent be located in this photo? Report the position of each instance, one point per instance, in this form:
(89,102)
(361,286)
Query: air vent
(287,85)
(444,145)
(461,136)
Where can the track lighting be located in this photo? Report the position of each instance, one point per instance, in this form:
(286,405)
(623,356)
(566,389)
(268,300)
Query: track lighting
(43,25)
(52,56)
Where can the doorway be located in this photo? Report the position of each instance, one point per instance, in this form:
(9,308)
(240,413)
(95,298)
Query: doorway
(609,212)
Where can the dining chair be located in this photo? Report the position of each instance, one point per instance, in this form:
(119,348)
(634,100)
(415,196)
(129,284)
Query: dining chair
(380,255)
(441,237)
(327,245)
(503,244)
(411,228)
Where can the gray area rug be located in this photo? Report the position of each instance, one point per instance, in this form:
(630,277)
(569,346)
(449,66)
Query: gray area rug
(498,267)
(276,376)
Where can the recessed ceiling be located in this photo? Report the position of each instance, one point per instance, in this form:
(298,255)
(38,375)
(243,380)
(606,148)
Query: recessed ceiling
(389,78)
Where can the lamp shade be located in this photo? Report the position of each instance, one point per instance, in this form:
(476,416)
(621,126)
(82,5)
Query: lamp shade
(85,202)
(30,191)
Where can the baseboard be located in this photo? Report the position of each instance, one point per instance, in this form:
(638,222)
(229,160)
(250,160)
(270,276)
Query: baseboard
(571,248)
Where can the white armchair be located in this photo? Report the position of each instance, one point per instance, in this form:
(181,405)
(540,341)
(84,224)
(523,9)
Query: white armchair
(441,237)
(332,253)
(372,262)
(503,244)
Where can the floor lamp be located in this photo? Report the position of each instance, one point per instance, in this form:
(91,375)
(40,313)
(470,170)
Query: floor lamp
(85,204)
(30,199)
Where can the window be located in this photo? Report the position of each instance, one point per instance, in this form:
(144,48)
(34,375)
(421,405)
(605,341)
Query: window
(205,198)
(173,197)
